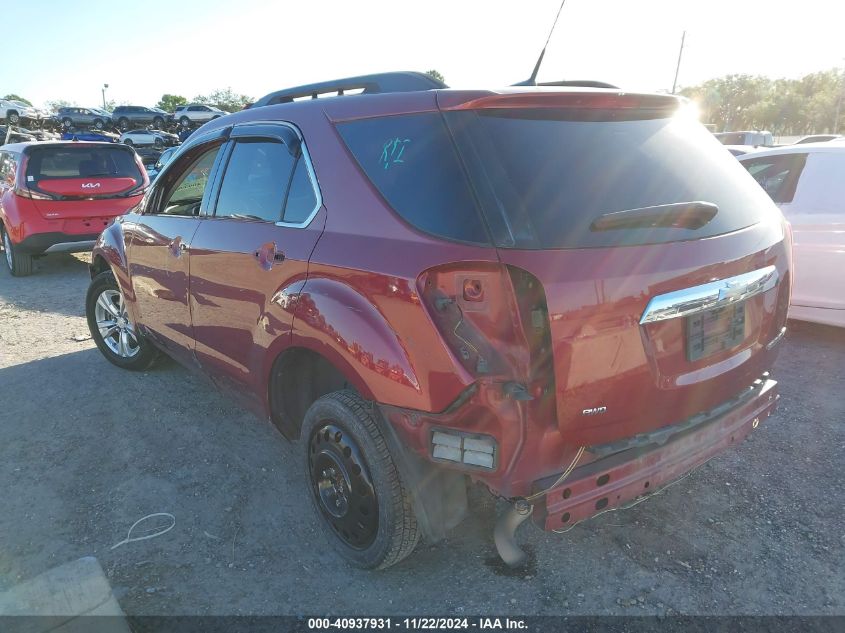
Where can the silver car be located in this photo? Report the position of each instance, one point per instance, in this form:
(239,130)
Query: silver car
(156,138)
(197,113)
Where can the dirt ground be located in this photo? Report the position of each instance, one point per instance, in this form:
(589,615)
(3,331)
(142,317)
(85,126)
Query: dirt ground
(87,449)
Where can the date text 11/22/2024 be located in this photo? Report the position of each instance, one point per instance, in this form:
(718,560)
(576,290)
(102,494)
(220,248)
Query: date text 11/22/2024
(420,623)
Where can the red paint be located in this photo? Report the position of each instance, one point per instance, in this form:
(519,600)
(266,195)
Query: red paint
(360,287)
(35,221)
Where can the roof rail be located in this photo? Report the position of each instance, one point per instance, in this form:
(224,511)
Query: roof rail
(404,81)
(578,83)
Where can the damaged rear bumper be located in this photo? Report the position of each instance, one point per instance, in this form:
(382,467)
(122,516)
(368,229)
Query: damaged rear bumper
(616,479)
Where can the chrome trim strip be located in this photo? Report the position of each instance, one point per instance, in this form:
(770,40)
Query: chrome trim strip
(716,294)
(776,339)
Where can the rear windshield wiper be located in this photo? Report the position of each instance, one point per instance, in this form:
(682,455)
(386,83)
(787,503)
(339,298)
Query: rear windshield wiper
(680,215)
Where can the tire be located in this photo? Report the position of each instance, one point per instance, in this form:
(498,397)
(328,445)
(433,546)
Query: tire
(158,143)
(67,123)
(98,124)
(185,121)
(124,347)
(361,503)
(128,142)
(158,123)
(13,118)
(20,264)
(123,123)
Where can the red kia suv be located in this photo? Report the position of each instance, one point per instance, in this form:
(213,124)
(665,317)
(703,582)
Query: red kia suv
(58,196)
(571,296)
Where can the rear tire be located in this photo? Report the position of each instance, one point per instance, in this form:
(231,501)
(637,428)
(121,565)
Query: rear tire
(184,121)
(158,123)
(128,142)
(116,338)
(99,125)
(67,123)
(362,505)
(20,264)
(158,143)
(123,124)
(13,118)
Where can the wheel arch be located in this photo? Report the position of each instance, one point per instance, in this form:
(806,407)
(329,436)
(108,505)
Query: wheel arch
(298,377)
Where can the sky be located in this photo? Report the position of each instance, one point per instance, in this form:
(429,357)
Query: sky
(146,48)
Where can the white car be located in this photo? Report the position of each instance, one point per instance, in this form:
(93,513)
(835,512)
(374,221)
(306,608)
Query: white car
(146,137)
(197,113)
(13,111)
(808,184)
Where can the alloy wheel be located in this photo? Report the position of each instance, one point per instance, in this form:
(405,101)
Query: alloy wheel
(114,325)
(7,246)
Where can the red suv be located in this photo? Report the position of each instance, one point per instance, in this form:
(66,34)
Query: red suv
(571,296)
(59,196)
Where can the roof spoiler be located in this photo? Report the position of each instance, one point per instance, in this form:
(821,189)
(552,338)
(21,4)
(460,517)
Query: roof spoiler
(403,81)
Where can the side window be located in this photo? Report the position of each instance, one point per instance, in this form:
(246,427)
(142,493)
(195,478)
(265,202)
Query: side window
(301,200)
(186,184)
(778,175)
(255,182)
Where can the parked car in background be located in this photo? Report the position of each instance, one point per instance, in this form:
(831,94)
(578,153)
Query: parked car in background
(754,139)
(73,116)
(398,281)
(126,117)
(818,138)
(158,138)
(89,135)
(165,157)
(58,196)
(740,150)
(807,182)
(16,136)
(197,113)
(16,112)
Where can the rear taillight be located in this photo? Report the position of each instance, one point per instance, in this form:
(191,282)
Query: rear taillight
(24,192)
(473,309)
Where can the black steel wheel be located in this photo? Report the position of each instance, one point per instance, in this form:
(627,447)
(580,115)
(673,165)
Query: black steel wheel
(363,506)
(342,484)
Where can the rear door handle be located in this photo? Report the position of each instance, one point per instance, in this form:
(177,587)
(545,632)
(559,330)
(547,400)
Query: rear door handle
(267,255)
(177,247)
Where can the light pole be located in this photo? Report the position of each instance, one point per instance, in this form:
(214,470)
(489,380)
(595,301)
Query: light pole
(104,96)
(678,67)
(839,103)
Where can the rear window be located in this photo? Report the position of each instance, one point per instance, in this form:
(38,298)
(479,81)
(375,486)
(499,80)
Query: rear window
(81,162)
(540,178)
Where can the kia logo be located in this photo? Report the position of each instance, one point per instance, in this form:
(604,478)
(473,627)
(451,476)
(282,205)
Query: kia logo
(90,185)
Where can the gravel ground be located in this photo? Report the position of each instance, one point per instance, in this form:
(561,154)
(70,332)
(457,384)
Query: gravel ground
(87,449)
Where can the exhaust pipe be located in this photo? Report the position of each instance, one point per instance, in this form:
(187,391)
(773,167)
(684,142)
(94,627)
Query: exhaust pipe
(504,535)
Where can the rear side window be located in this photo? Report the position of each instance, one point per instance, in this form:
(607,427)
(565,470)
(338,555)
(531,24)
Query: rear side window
(412,162)
(301,199)
(777,175)
(255,181)
(81,162)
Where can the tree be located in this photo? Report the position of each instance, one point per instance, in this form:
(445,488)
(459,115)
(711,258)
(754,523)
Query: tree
(168,102)
(434,74)
(55,104)
(225,99)
(14,97)
(785,106)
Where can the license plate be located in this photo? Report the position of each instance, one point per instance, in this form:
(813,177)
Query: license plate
(715,331)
